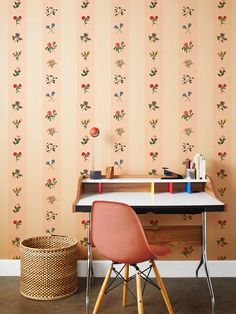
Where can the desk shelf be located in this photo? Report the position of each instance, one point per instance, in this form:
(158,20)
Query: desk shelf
(153,185)
(140,184)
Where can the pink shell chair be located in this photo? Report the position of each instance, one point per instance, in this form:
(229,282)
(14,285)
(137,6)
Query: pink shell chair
(118,235)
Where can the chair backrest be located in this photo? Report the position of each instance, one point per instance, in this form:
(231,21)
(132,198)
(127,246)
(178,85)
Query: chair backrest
(118,234)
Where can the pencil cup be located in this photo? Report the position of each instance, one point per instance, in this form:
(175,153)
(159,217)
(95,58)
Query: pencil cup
(190,173)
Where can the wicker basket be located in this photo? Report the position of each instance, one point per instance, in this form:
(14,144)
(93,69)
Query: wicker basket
(48,267)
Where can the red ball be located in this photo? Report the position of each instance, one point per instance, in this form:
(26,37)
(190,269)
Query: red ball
(94,132)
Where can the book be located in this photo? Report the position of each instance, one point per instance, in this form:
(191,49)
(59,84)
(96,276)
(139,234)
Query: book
(200,165)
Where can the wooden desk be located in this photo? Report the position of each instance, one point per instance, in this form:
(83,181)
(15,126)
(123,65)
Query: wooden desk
(153,195)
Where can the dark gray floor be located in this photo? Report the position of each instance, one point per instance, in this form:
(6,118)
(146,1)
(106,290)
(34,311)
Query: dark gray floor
(185,297)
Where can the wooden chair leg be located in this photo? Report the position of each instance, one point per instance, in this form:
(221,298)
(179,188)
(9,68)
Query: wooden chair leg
(125,286)
(163,289)
(139,293)
(102,291)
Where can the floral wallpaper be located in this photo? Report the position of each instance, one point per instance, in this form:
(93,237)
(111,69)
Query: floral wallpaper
(17,125)
(222,116)
(86,83)
(51,115)
(188,73)
(85,114)
(120,92)
(68,66)
(153,86)
(188,97)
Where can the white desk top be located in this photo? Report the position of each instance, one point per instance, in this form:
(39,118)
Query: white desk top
(147,199)
(141,180)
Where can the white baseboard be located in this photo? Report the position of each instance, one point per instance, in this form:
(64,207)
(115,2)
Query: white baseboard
(9,267)
(181,269)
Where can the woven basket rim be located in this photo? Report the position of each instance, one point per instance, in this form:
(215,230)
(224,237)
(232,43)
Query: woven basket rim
(73,244)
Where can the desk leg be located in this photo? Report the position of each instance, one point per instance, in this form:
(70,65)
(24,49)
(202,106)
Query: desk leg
(204,262)
(89,268)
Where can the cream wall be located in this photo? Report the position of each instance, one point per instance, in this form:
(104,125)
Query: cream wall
(69,163)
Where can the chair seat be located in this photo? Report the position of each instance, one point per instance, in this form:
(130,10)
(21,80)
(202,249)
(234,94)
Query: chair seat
(158,250)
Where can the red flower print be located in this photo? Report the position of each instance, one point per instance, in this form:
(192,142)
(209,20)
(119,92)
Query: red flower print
(51,183)
(119,46)
(85,155)
(187,47)
(17,19)
(154,19)
(222,223)
(85,223)
(222,19)
(85,19)
(222,87)
(51,46)
(119,115)
(17,155)
(154,223)
(153,155)
(17,223)
(187,115)
(154,88)
(222,155)
(17,87)
(85,87)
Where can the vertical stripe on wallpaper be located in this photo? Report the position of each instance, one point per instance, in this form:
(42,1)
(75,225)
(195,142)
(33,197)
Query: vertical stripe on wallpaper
(51,115)
(222,119)
(188,73)
(4,140)
(119,90)
(154,86)
(17,126)
(86,84)
(188,97)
